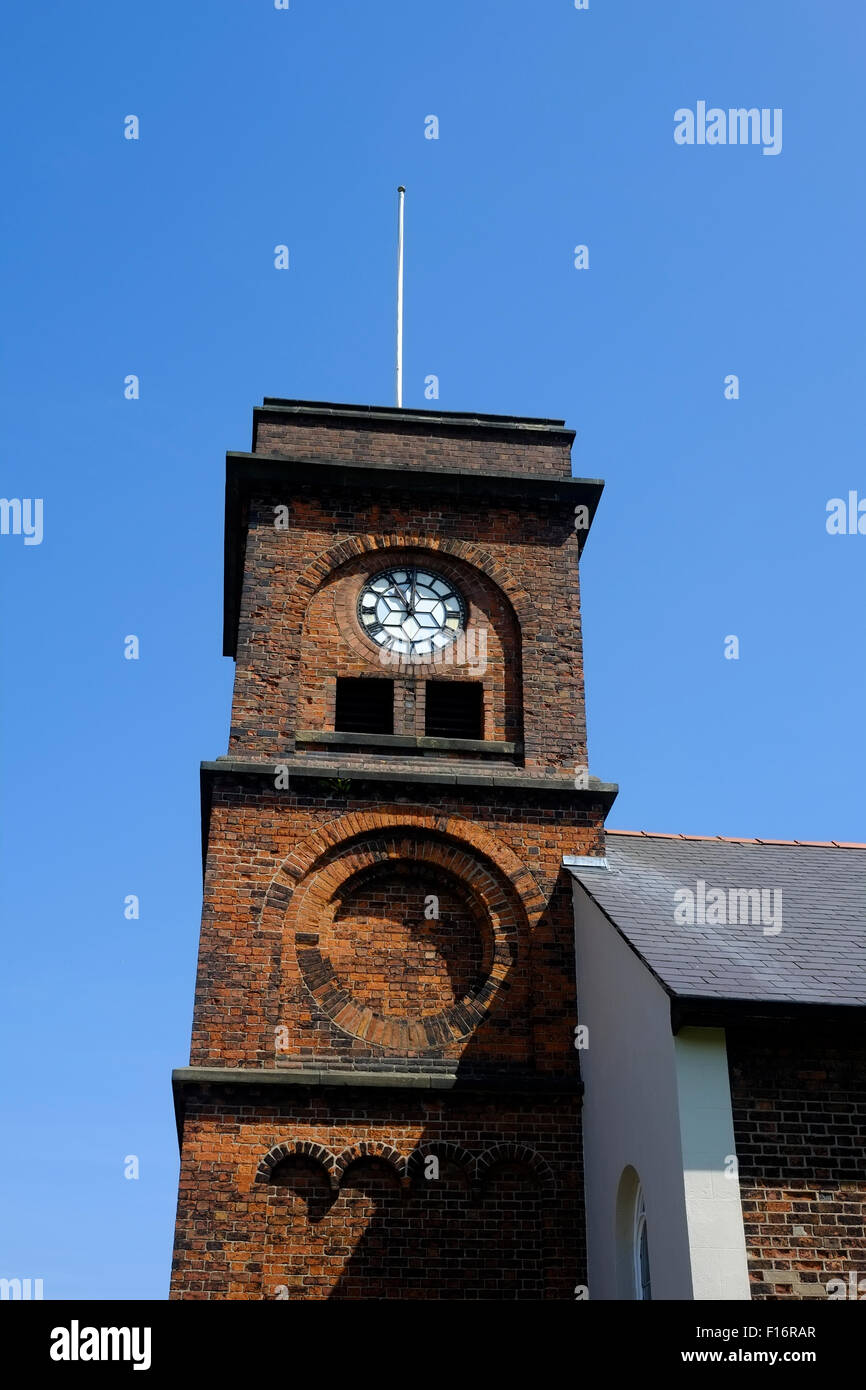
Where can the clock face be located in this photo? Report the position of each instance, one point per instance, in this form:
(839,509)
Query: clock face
(411,611)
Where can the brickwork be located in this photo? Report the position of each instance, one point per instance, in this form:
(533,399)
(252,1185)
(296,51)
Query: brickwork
(418,445)
(272,886)
(332,642)
(799,1104)
(297,627)
(403,950)
(320,955)
(324,1195)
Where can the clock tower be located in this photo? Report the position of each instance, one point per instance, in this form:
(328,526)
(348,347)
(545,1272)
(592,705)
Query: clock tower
(383,1096)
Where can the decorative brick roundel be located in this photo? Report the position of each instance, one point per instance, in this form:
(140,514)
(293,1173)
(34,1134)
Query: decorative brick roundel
(403,941)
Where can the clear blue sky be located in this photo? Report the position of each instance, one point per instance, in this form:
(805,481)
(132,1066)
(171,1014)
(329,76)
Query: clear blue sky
(155,257)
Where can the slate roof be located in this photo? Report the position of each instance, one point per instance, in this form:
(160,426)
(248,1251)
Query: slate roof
(818,956)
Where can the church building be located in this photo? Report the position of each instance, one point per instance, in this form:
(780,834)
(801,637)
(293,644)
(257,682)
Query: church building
(452,1039)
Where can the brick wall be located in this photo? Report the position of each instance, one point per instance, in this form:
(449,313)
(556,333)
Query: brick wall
(317,954)
(799,1104)
(417,444)
(486,992)
(298,630)
(279,866)
(349,1213)
(332,643)
(403,949)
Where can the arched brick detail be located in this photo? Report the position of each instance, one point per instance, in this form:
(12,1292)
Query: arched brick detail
(397,817)
(300,1148)
(324,566)
(324,639)
(301,895)
(367,1149)
(516,1153)
(310,913)
(453,1152)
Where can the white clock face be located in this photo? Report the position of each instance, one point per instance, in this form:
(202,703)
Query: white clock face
(411,611)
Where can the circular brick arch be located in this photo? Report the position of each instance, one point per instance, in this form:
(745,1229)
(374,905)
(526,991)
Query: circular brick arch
(301,897)
(403,1023)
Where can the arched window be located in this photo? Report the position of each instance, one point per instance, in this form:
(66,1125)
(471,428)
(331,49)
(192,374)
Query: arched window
(641,1250)
(632,1239)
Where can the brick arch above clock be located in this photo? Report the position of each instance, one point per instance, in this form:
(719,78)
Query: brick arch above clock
(333,645)
(440,547)
(530,569)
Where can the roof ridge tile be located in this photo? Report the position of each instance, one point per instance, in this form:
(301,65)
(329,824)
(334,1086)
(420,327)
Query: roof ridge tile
(739,839)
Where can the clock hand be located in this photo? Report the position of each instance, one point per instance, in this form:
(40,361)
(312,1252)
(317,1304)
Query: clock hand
(397,591)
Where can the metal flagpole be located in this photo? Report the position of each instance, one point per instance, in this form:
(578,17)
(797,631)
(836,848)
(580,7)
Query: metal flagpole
(401,193)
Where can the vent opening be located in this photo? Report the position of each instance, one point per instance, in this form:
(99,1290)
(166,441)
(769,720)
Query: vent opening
(365,705)
(454,709)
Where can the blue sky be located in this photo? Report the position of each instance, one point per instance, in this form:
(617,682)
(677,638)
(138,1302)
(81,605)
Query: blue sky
(155,257)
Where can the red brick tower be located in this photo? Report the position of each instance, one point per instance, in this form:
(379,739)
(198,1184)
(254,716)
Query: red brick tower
(383,1096)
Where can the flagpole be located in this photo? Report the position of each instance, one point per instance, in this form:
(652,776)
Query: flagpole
(401,193)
